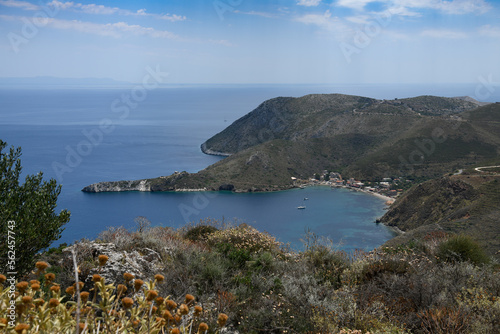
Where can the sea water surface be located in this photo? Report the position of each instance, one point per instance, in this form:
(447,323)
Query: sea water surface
(80,136)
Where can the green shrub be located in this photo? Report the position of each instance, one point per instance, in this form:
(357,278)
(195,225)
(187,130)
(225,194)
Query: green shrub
(237,256)
(385,266)
(244,237)
(28,219)
(57,250)
(461,248)
(200,232)
(326,262)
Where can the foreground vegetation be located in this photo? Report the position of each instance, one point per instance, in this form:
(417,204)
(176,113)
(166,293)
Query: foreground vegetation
(24,209)
(440,284)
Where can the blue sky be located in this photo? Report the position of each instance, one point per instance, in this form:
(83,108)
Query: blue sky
(253,41)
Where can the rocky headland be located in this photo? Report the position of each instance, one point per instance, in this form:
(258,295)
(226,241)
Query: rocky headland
(368,139)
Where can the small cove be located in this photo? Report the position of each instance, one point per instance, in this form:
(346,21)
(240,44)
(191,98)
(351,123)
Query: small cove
(346,217)
(162,135)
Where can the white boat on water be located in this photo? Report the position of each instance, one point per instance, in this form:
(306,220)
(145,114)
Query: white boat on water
(301,207)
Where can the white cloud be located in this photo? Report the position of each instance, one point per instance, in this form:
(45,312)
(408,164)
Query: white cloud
(254,13)
(88,9)
(443,33)
(401,7)
(116,30)
(19,4)
(401,11)
(490,31)
(105,10)
(308,3)
(463,6)
(97,9)
(359,19)
(354,4)
(326,22)
(322,20)
(170,17)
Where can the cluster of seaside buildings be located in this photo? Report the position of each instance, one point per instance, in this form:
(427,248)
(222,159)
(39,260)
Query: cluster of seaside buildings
(387,187)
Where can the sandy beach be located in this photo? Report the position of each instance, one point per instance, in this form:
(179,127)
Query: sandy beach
(387,198)
(384,197)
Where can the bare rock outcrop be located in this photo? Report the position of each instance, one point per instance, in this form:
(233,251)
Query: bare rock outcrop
(142,262)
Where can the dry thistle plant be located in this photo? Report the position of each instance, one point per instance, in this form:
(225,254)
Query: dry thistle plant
(132,306)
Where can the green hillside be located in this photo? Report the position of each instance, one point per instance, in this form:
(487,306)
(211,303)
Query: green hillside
(327,115)
(467,203)
(422,137)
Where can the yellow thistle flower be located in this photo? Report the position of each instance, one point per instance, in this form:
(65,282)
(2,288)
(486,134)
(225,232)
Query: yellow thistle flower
(159,278)
(80,285)
(70,290)
(202,328)
(50,277)
(197,310)
(138,283)
(159,300)
(127,302)
(53,302)
(103,259)
(34,281)
(189,299)
(183,309)
(96,278)
(21,328)
(128,277)
(175,331)
(41,266)
(151,295)
(171,305)
(56,288)
(84,296)
(27,299)
(22,286)
(35,287)
(2,278)
(167,315)
(222,319)
(121,289)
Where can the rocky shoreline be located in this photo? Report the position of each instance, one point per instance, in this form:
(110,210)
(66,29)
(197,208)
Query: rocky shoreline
(146,185)
(208,151)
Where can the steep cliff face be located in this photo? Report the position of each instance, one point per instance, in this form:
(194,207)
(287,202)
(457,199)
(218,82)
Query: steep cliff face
(163,183)
(138,185)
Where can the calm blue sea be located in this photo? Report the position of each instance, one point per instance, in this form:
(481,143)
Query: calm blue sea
(81,136)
